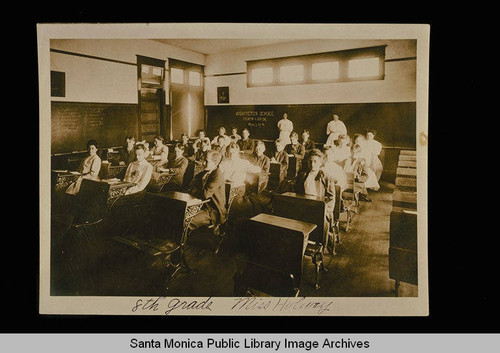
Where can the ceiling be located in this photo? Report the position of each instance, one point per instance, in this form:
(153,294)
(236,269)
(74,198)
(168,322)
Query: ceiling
(213,46)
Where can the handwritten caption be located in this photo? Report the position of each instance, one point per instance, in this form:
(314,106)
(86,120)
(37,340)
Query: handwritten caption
(168,306)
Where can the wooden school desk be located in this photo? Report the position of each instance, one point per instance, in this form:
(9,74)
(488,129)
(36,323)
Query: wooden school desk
(271,253)
(178,209)
(61,179)
(109,171)
(305,208)
(172,212)
(277,173)
(294,166)
(233,191)
(159,180)
(116,189)
(257,182)
(403,259)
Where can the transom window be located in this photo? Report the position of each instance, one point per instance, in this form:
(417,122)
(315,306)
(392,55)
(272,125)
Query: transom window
(322,71)
(176,75)
(360,64)
(368,67)
(292,73)
(262,75)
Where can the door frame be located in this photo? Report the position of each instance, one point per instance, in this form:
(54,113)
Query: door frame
(161,95)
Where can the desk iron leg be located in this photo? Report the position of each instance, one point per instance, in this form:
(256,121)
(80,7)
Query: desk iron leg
(220,235)
(182,255)
(169,280)
(191,211)
(319,266)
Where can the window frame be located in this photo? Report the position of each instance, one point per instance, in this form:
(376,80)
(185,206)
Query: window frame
(343,57)
(171,69)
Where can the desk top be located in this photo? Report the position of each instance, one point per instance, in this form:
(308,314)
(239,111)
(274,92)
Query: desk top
(180,196)
(116,183)
(404,210)
(65,172)
(404,196)
(305,197)
(303,227)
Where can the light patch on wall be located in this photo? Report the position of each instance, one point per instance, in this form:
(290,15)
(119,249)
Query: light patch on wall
(325,70)
(176,75)
(366,67)
(292,73)
(262,75)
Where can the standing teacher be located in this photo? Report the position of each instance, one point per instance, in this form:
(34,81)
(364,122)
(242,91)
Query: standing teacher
(286,127)
(334,128)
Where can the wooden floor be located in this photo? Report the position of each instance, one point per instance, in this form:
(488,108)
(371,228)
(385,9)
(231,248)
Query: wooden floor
(96,265)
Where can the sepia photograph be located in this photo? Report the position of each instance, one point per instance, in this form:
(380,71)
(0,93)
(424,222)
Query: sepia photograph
(233,169)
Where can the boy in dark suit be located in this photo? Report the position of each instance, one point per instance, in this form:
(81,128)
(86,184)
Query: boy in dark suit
(314,181)
(280,155)
(210,184)
(176,166)
(261,160)
(246,144)
(295,148)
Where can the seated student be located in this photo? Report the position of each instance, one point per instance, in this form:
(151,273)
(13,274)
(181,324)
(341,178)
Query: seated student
(221,132)
(333,169)
(246,144)
(357,164)
(127,154)
(364,152)
(280,155)
(199,157)
(220,145)
(138,172)
(360,140)
(188,149)
(315,182)
(210,184)
(341,149)
(89,168)
(124,214)
(159,153)
(259,158)
(235,168)
(202,138)
(234,134)
(307,143)
(263,162)
(147,150)
(177,166)
(295,148)
(374,148)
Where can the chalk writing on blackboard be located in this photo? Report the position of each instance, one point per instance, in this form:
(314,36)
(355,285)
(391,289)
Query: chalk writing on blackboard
(254,118)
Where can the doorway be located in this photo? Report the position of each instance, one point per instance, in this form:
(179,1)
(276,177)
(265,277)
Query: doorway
(151,78)
(187,110)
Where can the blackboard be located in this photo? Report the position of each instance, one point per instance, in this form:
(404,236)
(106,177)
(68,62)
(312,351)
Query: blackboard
(73,124)
(395,123)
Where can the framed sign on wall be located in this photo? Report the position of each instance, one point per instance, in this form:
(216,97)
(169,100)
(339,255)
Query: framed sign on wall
(223,94)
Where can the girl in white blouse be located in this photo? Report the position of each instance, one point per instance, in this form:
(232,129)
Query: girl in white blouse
(235,168)
(373,147)
(89,168)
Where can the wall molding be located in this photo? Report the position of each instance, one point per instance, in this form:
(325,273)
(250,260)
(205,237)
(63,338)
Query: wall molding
(92,57)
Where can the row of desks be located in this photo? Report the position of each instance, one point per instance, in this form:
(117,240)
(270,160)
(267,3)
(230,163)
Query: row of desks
(403,255)
(179,208)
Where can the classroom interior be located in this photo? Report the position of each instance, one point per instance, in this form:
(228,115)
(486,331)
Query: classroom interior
(275,240)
